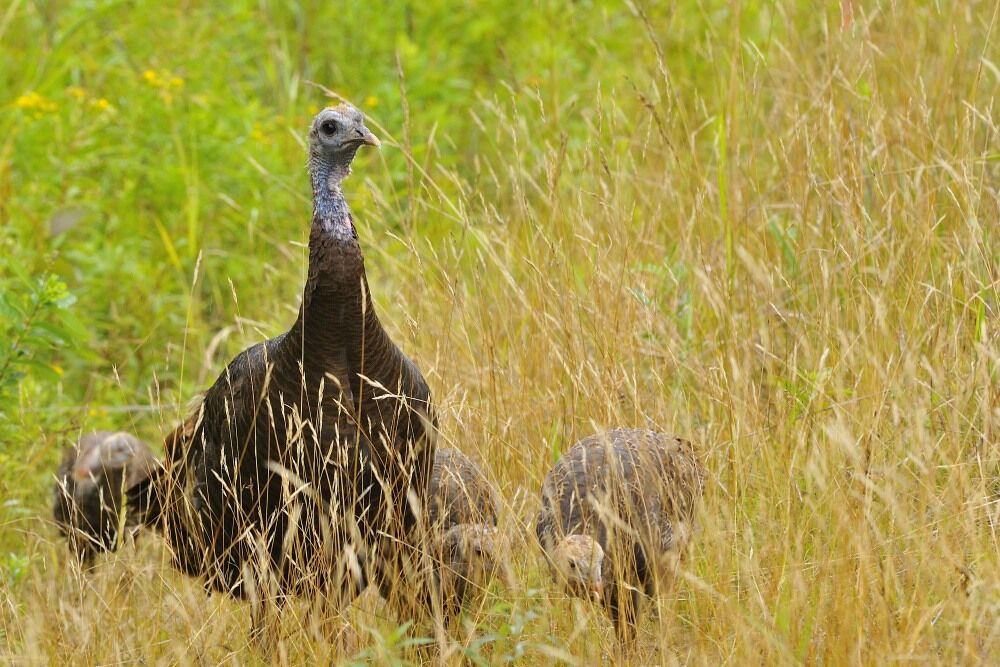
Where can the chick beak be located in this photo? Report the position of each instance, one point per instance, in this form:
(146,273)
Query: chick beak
(368,138)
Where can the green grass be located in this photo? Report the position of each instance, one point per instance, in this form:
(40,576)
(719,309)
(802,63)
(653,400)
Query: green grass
(741,221)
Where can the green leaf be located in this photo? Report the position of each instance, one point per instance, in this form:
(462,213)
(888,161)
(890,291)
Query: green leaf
(54,333)
(10,308)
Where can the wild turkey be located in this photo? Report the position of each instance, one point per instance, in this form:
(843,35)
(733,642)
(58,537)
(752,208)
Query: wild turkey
(462,507)
(309,453)
(88,490)
(617,512)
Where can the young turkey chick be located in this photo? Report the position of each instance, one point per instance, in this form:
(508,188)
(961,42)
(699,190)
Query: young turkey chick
(462,507)
(617,512)
(88,490)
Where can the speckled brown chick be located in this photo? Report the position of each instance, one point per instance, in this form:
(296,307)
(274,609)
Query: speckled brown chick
(88,491)
(462,504)
(618,510)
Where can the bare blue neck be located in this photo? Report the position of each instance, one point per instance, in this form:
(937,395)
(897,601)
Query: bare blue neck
(329,206)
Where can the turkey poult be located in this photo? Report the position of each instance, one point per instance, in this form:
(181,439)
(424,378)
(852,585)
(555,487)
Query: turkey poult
(462,507)
(88,492)
(306,467)
(617,512)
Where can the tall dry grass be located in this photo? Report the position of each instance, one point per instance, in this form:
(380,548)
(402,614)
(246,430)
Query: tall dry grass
(796,268)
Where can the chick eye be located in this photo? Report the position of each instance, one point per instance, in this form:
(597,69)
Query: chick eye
(328,127)
(572,565)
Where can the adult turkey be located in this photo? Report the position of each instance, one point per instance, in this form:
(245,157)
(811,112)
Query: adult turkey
(306,467)
(90,482)
(462,507)
(618,510)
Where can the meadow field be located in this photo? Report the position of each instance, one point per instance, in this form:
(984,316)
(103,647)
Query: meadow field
(769,226)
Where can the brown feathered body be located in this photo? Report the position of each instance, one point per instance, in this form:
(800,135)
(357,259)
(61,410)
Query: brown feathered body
(90,482)
(307,462)
(459,492)
(627,498)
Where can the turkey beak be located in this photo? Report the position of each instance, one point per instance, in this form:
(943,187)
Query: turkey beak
(369,139)
(597,590)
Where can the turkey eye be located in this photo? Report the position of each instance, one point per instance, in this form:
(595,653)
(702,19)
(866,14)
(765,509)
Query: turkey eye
(328,126)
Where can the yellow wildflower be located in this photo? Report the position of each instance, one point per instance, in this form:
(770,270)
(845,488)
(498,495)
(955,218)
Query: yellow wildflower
(26,101)
(101,104)
(32,101)
(91,412)
(58,370)
(371,101)
(165,81)
(77,92)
